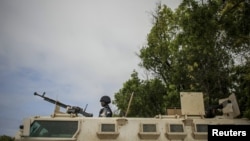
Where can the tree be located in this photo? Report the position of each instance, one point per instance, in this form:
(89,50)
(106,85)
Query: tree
(202,46)
(241,77)
(147,100)
(194,48)
(6,138)
(158,56)
(235,24)
(205,61)
(182,50)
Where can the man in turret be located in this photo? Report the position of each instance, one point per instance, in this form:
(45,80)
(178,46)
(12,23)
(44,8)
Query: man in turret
(105,111)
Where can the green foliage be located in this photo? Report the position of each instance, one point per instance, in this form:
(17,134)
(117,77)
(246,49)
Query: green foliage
(147,100)
(241,77)
(235,21)
(157,55)
(6,138)
(202,46)
(205,62)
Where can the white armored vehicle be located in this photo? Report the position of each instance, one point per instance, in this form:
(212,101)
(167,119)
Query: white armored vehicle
(187,123)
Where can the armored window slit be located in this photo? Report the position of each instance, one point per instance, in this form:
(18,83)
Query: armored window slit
(201,128)
(149,127)
(176,128)
(108,128)
(176,131)
(148,131)
(200,131)
(107,131)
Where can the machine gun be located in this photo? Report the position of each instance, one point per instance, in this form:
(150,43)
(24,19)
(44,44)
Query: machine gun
(70,109)
(228,106)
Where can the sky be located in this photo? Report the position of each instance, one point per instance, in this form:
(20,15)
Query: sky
(76,51)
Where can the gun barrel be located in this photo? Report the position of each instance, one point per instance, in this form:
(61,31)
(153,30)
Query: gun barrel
(72,109)
(52,100)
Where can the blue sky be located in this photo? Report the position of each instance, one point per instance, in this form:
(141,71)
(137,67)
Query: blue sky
(76,51)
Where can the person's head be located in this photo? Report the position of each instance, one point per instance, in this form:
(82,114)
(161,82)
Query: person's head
(105,100)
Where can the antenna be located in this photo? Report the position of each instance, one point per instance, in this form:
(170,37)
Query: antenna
(131,97)
(44,93)
(85,107)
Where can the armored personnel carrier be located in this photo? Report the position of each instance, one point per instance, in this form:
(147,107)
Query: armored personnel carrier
(189,123)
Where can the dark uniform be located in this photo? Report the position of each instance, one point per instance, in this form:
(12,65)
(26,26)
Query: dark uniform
(105,111)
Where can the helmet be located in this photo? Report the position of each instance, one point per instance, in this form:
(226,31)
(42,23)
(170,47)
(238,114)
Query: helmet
(105,99)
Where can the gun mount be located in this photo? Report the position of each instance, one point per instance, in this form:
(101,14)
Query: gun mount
(70,109)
